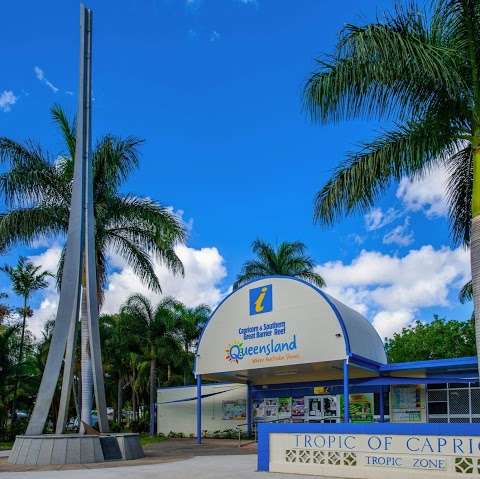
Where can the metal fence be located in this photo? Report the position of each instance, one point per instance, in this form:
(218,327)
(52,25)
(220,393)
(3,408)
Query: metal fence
(454,404)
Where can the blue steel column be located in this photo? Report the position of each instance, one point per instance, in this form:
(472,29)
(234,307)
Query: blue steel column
(346,392)
(249,409)
(382,404)
(199,409)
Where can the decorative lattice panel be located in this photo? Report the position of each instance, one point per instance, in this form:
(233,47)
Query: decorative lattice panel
(464,465)
(334,458)
(319,457)
(291,455)
(349,458)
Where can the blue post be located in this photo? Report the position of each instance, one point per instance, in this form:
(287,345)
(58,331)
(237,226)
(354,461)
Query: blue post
(199,409)
(346,393)
(249,409)
(382,404)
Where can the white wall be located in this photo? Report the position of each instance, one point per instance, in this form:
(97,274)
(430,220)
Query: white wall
(180,416)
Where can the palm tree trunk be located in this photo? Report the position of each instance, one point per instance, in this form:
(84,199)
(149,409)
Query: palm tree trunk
(119,399)
(134,397)
(475,238)
(19,362)
(153,384)
(86,364)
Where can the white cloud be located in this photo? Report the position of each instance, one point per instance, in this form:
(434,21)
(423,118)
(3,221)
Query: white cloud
(214,36)
(376,218)
(40,74)
(426,194)
(204,270)
(399,235)
(7,99)
(389,322)
(48,260)
(391,289)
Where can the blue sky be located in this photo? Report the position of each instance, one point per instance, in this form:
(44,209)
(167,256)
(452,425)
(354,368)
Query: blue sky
(214,87)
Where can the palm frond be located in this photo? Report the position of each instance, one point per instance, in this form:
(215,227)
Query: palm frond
(410,150)
(25,225)
(459,193)
(67,128)
(466,293)
(395,66)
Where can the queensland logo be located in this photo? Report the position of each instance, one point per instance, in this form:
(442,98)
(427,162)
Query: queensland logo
(261,300)
(232,351)
(236,351)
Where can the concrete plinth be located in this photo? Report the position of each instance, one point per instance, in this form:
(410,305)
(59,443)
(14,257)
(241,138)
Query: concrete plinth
(75,448)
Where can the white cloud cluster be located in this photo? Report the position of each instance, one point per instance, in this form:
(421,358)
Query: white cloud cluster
(426,193)
(7,99)
(376,218)
(400,235)
(204,270)
(39,73)
(390,290)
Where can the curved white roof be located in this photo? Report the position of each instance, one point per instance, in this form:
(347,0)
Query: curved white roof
(283,321)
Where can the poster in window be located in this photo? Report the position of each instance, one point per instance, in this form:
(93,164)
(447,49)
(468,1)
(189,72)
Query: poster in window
(271,409)
(360,407)
(284,408)
(298,409)
(407,403)
(234,410)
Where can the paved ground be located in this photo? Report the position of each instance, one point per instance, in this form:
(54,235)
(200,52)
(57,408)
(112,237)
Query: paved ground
(200,467)
(159,453)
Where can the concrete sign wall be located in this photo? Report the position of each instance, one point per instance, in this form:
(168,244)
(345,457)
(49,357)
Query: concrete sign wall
(350,451)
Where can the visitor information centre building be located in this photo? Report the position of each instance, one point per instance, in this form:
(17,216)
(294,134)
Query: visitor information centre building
(322,395)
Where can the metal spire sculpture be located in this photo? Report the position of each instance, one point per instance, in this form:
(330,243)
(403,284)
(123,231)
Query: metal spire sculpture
(80,262)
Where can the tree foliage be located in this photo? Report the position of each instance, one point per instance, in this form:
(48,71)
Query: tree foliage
(438,339)
(288,259)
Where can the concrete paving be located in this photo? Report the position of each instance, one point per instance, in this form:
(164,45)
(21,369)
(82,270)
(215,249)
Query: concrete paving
(205,467)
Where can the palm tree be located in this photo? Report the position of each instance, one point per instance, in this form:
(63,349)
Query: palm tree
(37,191)
(289,259)
(421,70)
(7,370)
(191,321)
(26,278)
(155,328)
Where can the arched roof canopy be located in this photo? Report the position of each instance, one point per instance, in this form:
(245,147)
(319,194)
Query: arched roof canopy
(283,329)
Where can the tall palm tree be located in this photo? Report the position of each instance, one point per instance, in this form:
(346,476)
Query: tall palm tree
(37,191)
(155,327)
(421,70)
(25,278)
(289,259)
(191,321)
(7,370)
